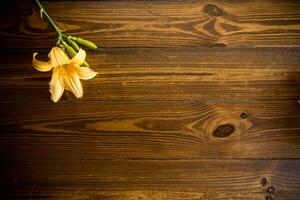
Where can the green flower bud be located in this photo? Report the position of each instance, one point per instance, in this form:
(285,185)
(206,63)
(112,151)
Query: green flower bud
(84,42)
(74,45)
(85,64)
(71,53)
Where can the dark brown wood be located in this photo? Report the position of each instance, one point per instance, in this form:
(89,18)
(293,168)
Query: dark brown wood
(156,130)
(156,23)
(212,119)
(205,74)
(149,179)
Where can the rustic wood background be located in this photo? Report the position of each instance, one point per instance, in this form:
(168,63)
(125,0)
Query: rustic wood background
(195,100)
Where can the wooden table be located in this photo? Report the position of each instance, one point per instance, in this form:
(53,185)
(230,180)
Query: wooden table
(194,100)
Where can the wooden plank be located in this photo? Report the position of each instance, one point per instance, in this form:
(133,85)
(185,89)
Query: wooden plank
(151,130)
(155,23)
(149,179)
(206,74)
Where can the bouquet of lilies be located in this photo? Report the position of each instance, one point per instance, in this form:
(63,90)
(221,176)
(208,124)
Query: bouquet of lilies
(67,62)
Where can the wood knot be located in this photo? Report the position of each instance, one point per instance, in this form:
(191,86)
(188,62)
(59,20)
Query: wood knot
(244,115)
(264,181)
(270,190)
(224,130)
(269,198)
(213,10)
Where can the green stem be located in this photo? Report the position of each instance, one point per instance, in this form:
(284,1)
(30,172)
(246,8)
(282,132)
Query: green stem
(60,34)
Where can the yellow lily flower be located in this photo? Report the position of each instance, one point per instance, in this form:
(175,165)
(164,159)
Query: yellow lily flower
(66,72)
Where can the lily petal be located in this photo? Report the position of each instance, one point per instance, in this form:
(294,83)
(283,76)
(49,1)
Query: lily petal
(85,73)
(58,57)
(74,85)
(56,86)
(40,65)
(79,57)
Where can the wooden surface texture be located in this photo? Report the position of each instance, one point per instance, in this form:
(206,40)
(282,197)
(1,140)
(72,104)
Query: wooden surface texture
(166,23)
(194,100)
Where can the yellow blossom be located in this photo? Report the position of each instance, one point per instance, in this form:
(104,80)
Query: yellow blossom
(66,72)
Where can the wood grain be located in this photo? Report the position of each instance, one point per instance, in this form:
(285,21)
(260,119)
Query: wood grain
(206,74)
(155,23)
(167,103)
(149,179)
(151,130)
(183,107)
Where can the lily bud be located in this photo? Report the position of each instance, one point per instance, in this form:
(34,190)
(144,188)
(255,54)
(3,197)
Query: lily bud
(74,45)
(84,42)
(71,52)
